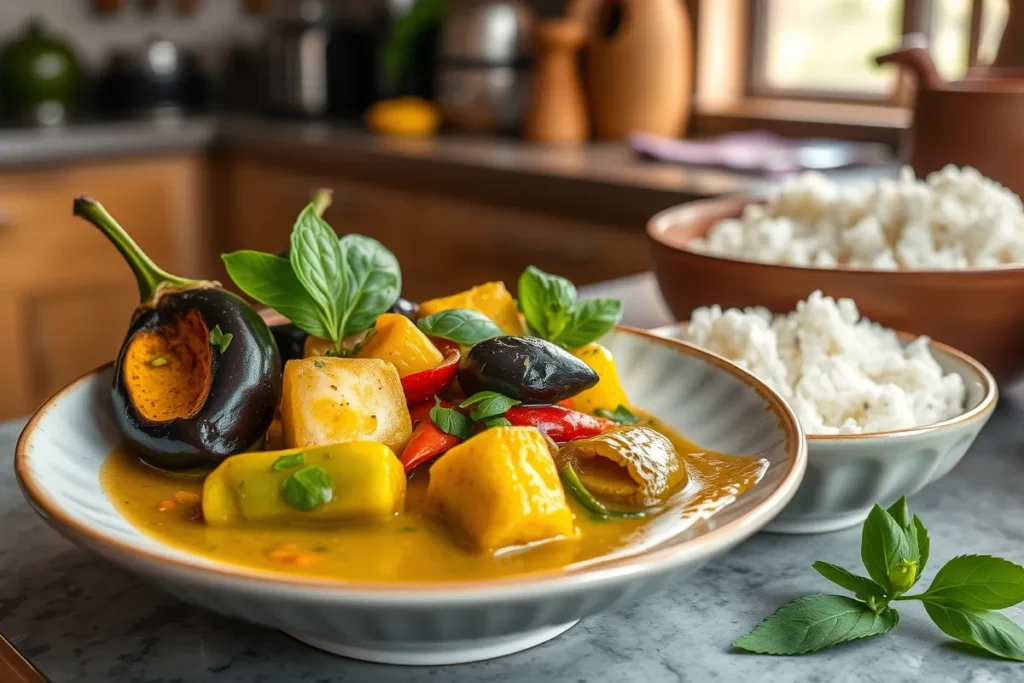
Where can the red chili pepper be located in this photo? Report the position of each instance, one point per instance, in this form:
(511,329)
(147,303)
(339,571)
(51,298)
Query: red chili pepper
(423,385)
(560,423)
(426,443)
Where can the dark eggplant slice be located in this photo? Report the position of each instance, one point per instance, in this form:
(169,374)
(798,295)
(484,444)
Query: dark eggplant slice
(526,368)
(198,377)
(410,309)
(290,341)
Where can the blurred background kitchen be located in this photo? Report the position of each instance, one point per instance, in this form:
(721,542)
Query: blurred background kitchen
(472,137)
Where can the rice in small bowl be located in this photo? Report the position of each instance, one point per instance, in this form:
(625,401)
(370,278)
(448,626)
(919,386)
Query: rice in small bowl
(885,413)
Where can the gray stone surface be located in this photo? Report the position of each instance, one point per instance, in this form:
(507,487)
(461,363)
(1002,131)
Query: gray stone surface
(81,619)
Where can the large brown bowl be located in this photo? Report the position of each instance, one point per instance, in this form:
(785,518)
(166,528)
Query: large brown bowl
(979,311)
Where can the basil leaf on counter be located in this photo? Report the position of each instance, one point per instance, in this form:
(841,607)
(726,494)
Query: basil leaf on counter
(488,404)
(924,543)
(862,586)
(461,325)
(220,340)
(815,622)
(977,582)
(990,631)
(549,304)
(451,421)
(373,282)
(621,414)
(317,262)
(287,462)
(885,546)
(308,489)
(271,281)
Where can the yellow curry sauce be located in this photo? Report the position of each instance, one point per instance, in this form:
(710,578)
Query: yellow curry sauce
(412,546)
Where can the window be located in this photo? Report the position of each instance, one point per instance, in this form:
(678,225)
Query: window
(825,49)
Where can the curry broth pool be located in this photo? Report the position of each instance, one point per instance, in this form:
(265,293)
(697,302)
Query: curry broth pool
(412,545)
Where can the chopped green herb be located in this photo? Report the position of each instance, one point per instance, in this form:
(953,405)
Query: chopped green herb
(407,529)
(318,364)
(308,489)
(488,404)
(220,340)
(622,415)
(450,421)
(158,362)
(287,462)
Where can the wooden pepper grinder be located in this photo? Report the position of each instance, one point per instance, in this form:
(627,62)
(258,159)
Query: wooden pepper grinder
(556,109)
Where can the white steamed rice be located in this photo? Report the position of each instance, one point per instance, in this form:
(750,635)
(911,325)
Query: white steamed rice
(841,373)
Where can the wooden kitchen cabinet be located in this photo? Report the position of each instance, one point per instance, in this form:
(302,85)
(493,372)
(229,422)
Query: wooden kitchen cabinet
(445,244)
(66,296)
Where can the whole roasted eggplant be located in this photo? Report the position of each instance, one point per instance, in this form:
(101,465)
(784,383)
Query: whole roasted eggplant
(526,368)
(198,377)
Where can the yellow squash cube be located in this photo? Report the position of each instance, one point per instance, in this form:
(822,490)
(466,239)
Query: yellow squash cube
(607,393)
(397,340)
(335,400)
(366,482)
(491,299)
(500,489)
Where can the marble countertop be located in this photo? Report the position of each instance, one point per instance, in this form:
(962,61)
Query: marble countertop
(80,619)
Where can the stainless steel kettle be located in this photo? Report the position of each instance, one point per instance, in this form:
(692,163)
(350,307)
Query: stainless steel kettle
(485,59)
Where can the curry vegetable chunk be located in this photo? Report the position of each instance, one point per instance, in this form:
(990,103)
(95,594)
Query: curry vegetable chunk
(490,298)
(397,340)
(607,393)
(333,400)
(500,489)
(367,482)
(634,465)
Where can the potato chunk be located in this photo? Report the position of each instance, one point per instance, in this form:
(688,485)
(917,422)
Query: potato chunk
(490,298)
(397,340)
(367,482)
(334,400)
(607,393)
(501,489)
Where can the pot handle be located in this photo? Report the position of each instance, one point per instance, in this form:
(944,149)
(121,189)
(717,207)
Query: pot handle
(913,55)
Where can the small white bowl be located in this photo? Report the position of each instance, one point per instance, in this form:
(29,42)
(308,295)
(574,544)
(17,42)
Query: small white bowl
(848,473)
(713,402)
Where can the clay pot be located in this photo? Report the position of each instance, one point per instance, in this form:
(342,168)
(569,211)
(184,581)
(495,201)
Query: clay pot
(556,109)
(640,68)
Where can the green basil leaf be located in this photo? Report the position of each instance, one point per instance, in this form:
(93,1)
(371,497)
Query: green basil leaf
(451,421)
(499,421)
(373,282)
(545,301)
(621,414)
(488,404)
(308,489)
(924,544)
(477,397)
(220,340)
(814,623)
(589,320)
(317,262)
(271,281)
(884,547)
(460,325)
(862,586)
(900,512)
(977,582)
(287,462)
(990,631)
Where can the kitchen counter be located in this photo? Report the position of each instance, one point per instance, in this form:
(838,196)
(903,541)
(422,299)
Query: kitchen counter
(601,181)
(21,147)
(80,619)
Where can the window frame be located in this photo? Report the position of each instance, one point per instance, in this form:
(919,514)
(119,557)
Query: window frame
(918,17)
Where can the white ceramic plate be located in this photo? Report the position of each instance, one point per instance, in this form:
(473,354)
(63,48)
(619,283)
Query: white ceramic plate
(848,473)
(713,402)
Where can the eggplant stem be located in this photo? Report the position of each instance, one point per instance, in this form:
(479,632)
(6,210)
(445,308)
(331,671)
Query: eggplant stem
(149,275)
